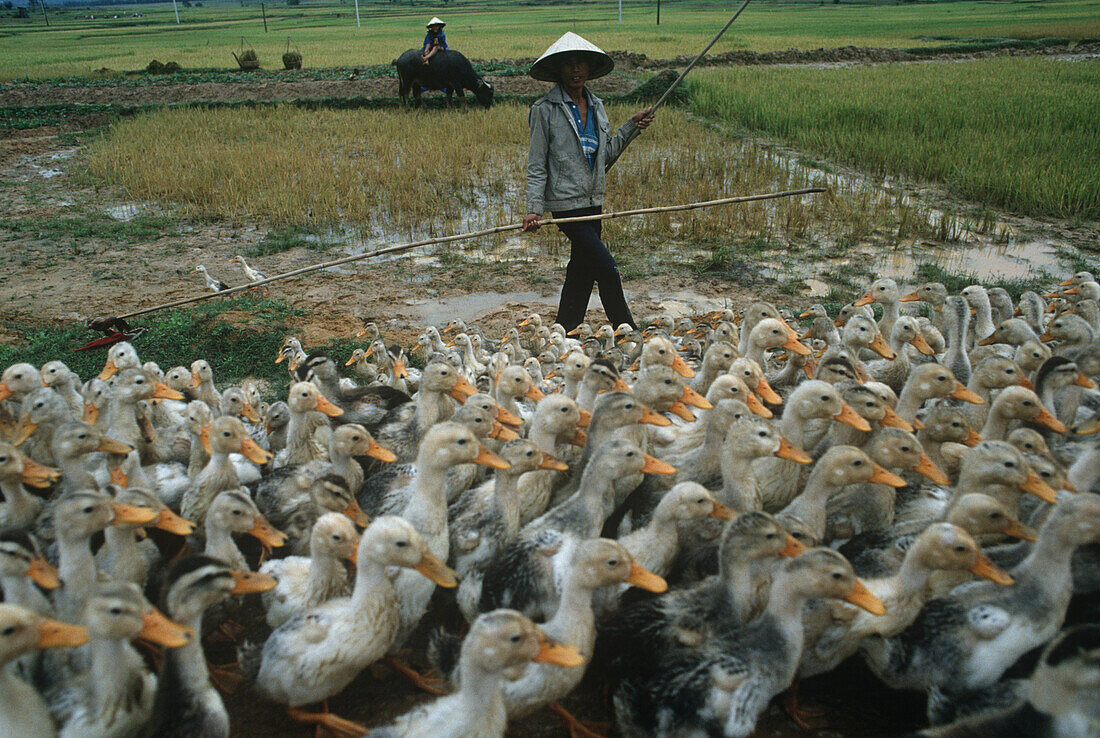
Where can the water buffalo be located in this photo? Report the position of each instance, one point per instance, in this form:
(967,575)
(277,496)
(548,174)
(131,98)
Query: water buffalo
(448,70)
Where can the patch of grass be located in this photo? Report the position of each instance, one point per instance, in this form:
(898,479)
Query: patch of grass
(1017,133)
(284,239)
(956,281)
(244,345)
(93,225)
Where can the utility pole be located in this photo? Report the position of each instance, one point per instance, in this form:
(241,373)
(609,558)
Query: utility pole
(658,12)
(177,11)
(47,18)
(264,11)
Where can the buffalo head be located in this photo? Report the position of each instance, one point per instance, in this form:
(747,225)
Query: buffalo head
(484,93)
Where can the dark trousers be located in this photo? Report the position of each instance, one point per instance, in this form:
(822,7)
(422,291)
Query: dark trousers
(589,263)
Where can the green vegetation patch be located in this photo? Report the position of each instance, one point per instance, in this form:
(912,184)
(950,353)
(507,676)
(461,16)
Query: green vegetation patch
(240,337)
(93,225)
(1023,134)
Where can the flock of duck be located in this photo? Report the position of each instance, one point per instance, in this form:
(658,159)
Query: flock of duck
(701,512)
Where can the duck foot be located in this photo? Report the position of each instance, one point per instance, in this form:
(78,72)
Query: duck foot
(227,632)
(425,682)
(807,718)
(334,724)
(226,678)
(579,728)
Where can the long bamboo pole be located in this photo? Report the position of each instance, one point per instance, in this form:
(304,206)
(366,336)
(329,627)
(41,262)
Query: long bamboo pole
(713,41)
(474,234)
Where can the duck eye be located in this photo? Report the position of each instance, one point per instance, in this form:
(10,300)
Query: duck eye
(88,509)
(116,610)
(516,638)
(837,575)
(401,544)
(995,516)
(8,630)
(857,462)
(960,549)
(1010,465)
(612,562)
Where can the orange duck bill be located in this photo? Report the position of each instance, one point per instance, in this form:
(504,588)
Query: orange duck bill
(848,416)
(1036,486)
(928,469)
(656,466)
(376,451)
(502,432)
(549,462)
(653,418)
(883,476)
(722,512)
(485,457)
(642,578)
(42,573)
(1046,419)
(790,452)
(437,571)
(111,446)
(1016,529)
(681,410)
(133,515)
(558,654)
(962,393)
(37,475)
(693,398)
(172,523)
(251,582)
(681,367)
(462,390)
(894,420)
(158,629)
(767,394)
(55,634)
(860,596)
(756,406)
(266,533)
(252,451)
(326,407)
(986,569)
(355,514)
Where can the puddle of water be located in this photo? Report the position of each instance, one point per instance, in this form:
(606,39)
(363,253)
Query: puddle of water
(1010,261)
(126,211)
(475,305)
(49,173)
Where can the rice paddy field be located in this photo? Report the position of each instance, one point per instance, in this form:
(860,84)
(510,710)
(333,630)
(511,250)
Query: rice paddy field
(1022,134)
(80,40)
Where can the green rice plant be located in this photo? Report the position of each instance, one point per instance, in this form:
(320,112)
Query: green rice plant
(1016,133)
(405,176)
(326,31)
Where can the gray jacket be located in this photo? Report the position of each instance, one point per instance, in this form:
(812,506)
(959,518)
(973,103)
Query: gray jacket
(558,175)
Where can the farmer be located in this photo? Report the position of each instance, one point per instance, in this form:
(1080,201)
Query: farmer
(571,149)
(434,41)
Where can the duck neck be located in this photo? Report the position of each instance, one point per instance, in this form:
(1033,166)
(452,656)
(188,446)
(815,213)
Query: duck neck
(507,401)
(427,507)
(785,607)
(810,506)
(324,571)
(996,425)
(739,488)
(480,689)
(370,580)
(345,465)
(738,589)
(74,473)
(77,570)
(506,499)
(21,590)
(188,661)
(20,507)
(913,576)
(299,435)
(544,438)
(910,401)
(1048,563)
(113,661)
(220,545)
(121,543)
(432,407)
(198,458)
(123,425)
(574,614)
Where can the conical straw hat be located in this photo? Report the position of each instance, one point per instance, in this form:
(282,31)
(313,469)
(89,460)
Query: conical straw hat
(546,67)
(434,22)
